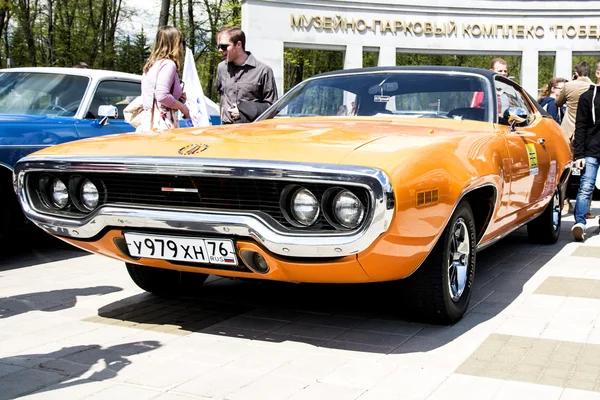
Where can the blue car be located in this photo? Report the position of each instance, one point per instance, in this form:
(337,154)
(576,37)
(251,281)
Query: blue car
(41,107)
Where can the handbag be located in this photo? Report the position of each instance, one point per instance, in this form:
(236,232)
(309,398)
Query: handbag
(134,111)
(144,120)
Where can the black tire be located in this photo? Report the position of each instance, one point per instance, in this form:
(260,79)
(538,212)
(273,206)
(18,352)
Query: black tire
(429,287)
(545,229)
(5,221)
(166,282)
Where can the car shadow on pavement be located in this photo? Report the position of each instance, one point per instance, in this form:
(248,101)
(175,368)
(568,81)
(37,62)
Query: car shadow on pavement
(67,367)
(52,300)
(361,317)
(33,246)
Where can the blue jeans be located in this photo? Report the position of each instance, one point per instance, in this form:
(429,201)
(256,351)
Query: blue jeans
(586,189)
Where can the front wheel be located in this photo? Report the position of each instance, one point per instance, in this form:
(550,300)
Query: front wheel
(440,289)
(545,228)
(165,282)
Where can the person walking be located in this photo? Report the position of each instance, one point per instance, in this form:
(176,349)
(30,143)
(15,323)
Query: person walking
(548,98)
(246,85)
(162,94)
(586,152)
(570,96)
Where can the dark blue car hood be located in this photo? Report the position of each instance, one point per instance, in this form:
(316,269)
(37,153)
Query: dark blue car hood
(21,118)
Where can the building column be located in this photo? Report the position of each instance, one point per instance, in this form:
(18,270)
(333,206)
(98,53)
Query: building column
(387,57)
(529,71)
(353,57)
(563,64)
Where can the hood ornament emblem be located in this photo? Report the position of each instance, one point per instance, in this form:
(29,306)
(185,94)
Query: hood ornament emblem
(192,149)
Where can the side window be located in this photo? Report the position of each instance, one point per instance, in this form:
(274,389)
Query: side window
(321,101)
(509,96)
(113,93)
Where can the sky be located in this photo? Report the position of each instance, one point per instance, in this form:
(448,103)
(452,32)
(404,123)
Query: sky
(147,12)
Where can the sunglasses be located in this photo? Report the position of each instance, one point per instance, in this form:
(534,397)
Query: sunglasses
(184,43)
(222,46)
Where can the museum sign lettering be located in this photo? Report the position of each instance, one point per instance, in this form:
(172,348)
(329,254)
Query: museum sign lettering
(448,29)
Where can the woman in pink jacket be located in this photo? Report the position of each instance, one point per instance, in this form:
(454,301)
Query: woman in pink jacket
(162,93)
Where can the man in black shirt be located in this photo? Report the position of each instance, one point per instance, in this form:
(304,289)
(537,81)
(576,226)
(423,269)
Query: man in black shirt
(586,152)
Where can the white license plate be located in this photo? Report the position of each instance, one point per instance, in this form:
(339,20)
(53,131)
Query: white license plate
(206,251)
(575,171)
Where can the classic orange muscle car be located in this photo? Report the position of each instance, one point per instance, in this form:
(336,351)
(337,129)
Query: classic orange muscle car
(381,174)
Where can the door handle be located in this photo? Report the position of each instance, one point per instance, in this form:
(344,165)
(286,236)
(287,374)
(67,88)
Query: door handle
(541,141)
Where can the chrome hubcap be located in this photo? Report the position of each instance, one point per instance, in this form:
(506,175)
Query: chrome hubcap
(459,258)
(556,211)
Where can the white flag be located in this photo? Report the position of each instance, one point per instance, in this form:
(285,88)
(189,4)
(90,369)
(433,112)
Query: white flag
(196,101)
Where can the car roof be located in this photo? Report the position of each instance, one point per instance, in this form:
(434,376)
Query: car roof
(92,73)
(447,69)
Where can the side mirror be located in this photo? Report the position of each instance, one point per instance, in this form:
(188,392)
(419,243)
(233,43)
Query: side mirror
(515,115)
(107,112)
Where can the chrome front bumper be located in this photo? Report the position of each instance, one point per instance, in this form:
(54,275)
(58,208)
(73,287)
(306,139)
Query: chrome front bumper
(194,222)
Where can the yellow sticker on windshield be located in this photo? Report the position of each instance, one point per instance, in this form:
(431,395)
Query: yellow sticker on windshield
(533,160)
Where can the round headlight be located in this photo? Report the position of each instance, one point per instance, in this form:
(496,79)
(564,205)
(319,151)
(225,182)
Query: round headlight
(59,193)
(89,195)
(348,209)
(305,207)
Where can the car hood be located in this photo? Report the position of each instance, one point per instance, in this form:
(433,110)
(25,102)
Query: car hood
(20,118)
(320,140)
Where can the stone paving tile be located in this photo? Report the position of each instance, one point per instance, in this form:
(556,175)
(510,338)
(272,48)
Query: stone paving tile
(570,287)
(6,369)
(587,251)
(218,383)
(263,360)
(270,388)
(574,394)
(169,374)
(412,382)
(26,381)
(333,321)
(360,374)
(175,317)
(125,392)
(528,391)
(250,323)
(549,362)
(290,341)
(324,391)
(310,366)
(71,390)
(310,331)
(391,327)
(467,387)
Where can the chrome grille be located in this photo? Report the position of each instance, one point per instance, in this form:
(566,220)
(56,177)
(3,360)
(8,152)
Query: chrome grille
(214,193)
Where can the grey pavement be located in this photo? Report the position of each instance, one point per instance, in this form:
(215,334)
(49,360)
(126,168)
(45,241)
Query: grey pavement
(74,326)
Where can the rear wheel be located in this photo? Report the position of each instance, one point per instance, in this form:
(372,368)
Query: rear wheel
(166,282)
(440,289)
(545,228)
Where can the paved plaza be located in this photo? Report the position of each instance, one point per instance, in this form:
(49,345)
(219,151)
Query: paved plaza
(74,326)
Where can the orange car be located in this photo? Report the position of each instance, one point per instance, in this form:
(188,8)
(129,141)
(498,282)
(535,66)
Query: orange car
(353,176)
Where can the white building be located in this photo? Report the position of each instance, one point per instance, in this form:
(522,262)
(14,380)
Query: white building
(524,28)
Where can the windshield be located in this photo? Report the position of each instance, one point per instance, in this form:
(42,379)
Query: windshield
(41,93)
(391,94)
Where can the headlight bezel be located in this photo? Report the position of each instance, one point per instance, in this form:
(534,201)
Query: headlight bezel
(52,192)
(328,206)
(287,197)
(41,185)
